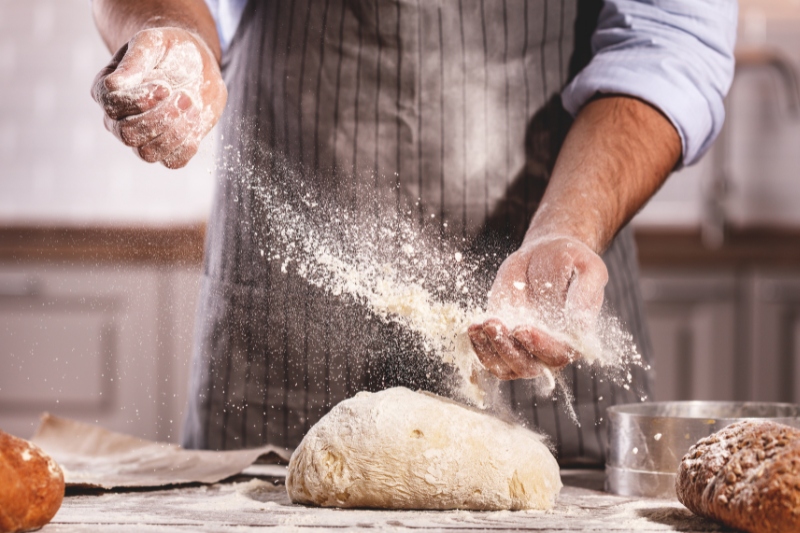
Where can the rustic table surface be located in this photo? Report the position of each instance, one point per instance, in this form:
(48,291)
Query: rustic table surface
(247,503)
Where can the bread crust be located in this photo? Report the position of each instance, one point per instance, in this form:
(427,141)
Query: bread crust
(31,485)
(746,476)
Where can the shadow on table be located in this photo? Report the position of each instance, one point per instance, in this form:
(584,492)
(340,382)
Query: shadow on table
(584,478)
(680,519)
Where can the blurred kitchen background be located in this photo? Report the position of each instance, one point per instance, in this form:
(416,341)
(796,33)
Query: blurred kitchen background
(100,253)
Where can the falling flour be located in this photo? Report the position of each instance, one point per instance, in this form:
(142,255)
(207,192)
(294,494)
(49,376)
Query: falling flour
(410,275)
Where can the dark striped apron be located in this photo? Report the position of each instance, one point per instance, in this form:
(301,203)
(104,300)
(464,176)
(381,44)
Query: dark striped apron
(451,107)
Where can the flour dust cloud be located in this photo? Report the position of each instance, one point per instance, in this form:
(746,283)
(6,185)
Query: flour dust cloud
(404,271)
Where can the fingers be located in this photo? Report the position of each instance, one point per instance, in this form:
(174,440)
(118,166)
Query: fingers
(521,362)
(160,148)
(500,353)
(136,101)
(143,54)
(180,157)
(120,86)
(166,133)
(486,353)
(137,130)
(98,85)
(544,347)
(520,354)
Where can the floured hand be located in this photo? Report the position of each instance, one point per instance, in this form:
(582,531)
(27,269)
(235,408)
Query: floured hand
(162,93)
(554,281)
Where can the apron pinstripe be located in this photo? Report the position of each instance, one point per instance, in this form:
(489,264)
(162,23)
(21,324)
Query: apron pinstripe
(452,103)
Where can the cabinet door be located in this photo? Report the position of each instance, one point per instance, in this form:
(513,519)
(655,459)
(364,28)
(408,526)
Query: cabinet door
(775,364)
(107,345)
(692,321)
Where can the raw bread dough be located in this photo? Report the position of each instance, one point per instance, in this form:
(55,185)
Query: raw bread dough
(399,449)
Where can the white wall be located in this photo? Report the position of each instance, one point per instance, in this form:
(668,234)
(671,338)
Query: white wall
(766,136)
(764,139)
(58,164)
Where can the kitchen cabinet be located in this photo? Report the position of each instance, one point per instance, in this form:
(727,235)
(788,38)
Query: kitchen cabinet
(108,343)
(725,323)
(692,320)
(723,335)
(775,345)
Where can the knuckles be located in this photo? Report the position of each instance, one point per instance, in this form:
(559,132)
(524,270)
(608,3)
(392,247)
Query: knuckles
(159,123)
(150,152)
(133,135)
(500,353)
(182,157)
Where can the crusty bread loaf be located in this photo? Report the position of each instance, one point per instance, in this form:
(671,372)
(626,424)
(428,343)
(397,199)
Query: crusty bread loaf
(31,485)
(746,476)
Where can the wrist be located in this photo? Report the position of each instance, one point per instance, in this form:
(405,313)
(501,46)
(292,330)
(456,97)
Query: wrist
(546,226)
(205,46)
(214,53)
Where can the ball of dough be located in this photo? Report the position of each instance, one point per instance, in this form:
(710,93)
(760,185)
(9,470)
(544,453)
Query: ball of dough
(31,485)
(399,449)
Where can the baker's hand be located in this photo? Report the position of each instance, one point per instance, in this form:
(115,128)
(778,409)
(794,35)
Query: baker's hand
(162,93)
(554,281)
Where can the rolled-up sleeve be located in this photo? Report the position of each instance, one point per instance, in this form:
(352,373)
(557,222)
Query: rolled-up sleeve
(227,14)
(677,55)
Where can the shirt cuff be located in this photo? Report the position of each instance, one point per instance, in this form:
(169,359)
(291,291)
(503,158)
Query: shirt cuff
(685,72)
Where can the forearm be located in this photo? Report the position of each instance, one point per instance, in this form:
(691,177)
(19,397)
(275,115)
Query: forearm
(615,157)
(119,20)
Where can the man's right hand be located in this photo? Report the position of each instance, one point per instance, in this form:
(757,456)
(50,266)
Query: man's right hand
(556,280)
(162,93)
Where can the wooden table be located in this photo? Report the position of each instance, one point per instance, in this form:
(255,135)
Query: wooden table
(254,503)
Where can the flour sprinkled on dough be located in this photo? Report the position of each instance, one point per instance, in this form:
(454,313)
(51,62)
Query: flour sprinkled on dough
(399,449)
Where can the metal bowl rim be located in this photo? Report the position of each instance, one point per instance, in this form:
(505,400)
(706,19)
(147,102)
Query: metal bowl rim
(652,410)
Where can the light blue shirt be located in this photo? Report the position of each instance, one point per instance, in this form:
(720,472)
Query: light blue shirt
(227,14)
(677,55)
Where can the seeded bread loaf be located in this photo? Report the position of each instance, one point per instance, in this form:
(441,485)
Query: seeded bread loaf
(746,476)
(31,485)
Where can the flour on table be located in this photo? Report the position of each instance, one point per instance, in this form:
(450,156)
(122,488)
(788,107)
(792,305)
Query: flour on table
(398,449)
